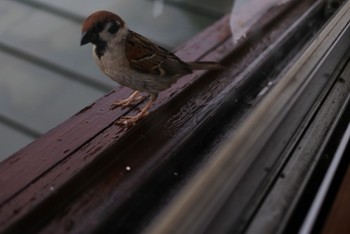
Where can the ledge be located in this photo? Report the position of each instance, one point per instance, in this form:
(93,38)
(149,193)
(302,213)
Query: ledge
(88,175)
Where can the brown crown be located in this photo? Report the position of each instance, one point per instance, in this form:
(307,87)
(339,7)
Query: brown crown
(100,16)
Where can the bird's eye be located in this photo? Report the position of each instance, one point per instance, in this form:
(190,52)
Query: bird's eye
(113,28)
(99,26)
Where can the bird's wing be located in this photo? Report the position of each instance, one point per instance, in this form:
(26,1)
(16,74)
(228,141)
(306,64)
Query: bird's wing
(147,57)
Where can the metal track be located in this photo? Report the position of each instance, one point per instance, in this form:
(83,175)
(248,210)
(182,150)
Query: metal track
(251,184)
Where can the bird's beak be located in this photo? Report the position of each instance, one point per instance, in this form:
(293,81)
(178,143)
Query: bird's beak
(85,38)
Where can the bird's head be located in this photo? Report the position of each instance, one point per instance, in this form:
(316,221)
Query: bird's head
(101,27)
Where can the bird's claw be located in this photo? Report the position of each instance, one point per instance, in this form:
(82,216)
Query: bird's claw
(132,100)
(129,121)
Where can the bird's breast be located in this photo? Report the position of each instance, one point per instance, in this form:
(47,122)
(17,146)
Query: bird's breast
(115,65)
(113,62)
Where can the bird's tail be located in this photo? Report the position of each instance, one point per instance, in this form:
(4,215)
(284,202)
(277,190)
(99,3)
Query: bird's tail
(205,66)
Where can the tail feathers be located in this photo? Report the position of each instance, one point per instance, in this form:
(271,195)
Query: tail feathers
(205,66)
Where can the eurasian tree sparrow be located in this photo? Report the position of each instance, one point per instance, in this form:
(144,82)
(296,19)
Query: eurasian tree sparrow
(134,61)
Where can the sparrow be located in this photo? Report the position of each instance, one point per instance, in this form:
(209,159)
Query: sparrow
(134,61)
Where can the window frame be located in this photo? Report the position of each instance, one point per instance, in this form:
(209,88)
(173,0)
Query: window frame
(47,182)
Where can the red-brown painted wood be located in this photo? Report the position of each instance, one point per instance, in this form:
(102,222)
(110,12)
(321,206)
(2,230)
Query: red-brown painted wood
(338,217)
(49,156)
(66,138)
(83,164)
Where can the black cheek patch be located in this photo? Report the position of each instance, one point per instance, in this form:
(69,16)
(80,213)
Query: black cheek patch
(113,28)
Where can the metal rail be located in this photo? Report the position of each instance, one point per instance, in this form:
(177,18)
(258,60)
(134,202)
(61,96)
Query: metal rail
(290,108)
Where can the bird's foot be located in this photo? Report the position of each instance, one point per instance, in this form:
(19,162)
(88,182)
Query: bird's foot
(129,121)
(131,100)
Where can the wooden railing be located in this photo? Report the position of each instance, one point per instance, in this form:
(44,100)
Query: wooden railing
(89,175)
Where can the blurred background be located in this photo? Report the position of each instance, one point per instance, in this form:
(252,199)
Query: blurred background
(46,77)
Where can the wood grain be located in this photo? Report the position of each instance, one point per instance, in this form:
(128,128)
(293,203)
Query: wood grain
(88,170)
